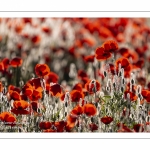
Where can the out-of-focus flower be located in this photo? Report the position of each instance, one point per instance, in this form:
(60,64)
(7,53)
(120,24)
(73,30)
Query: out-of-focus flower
(89,109)
(101,54)
(106,120)
(42,70)
(92,86)
(55,90)
(20,107)
(8,118)
(16,62)
(76,95)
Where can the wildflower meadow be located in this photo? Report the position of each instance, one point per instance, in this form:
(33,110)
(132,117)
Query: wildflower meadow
(74,75)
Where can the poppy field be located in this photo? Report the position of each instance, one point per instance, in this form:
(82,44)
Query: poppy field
(74,75)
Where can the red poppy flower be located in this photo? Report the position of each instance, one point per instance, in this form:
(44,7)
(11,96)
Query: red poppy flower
(139,64)
(15,95)
(93,127)
(82,74)
(27,89)
(78,87)
(51,77)
(77,111)
(104,32)
(46,30)
(16,62)
(19,27)
(133,97)
(71,120)
(123,61)
(49,130)
(106,120)
(1,66)
(88,41)
(148,85)
(129,54)
(45,125)
(8,118)
(34,105)
(42,70)
(138,127)
(89,110)
(1,38)
(27,20)
(146,95)
(60,126)
(124,52)
(36,39)
(89,58)
(20,107)
(110,46)
(148,98)
(36,95)
(92,86)
(1,86)
(125,64)
(141,81)
(123,128)
(12,88)
(55,89)
(101,54)
(6,63)
(36,84)
(76,95)
(62,96)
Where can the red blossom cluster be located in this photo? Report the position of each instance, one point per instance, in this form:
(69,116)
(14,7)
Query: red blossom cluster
(74,75)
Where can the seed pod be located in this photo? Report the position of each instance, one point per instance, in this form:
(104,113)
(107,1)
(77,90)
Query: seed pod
(148,119)
(132,81)
(96,104)
(140,96)
(65,114)
(114,84)
(123,81)
(4,90)
(38,110)
(120,74)
(8,105)
(107,88)
(66,104)
(56,101)
(122,89)
(105,73)
(92,119)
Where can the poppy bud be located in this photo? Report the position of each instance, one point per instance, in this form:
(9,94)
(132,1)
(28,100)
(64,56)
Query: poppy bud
(96,104)
(65,114)
(140,96)
(148,119)
(105,73)
(120,74)
(66,104)
(114,85)
(122,89)
(123,81)
(107,89)
(92,119)
(4,90)
(38,110)
(21,83)
(132,81)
